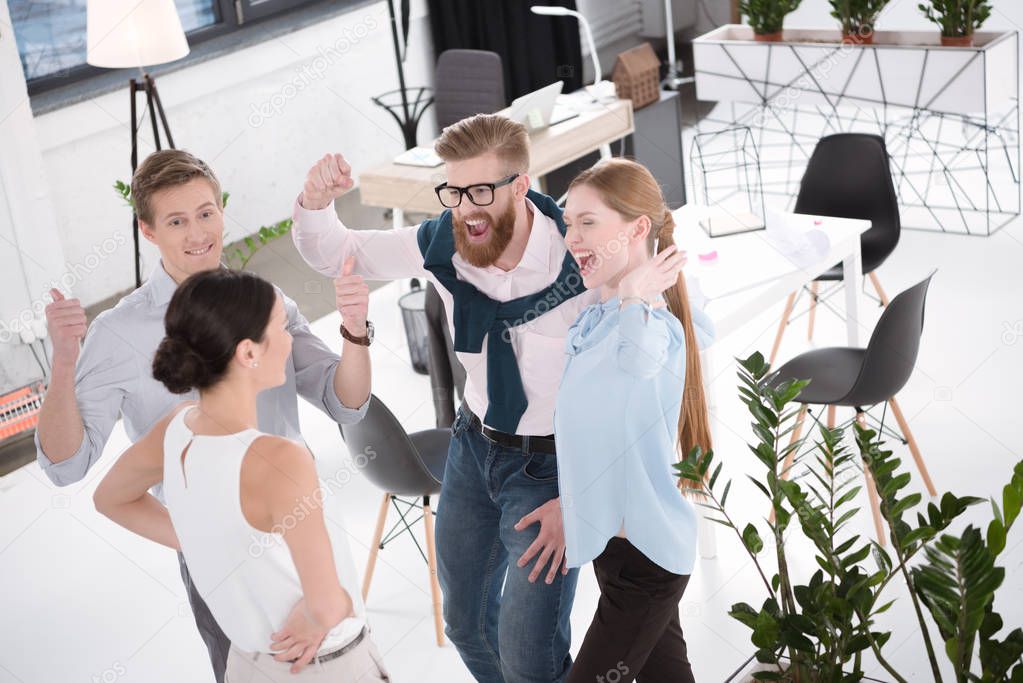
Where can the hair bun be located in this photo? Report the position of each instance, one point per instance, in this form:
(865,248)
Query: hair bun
(179,367)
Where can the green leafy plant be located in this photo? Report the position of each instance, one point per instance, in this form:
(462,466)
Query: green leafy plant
(857,16)
(239,255)
(767,16)
(817,630)
(957,584)
(957,18)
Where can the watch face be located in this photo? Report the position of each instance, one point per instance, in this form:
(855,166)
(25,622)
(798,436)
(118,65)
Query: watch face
(369,330)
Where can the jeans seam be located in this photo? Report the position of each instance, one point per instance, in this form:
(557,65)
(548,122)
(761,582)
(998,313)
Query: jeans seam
(557,623)
(487,577)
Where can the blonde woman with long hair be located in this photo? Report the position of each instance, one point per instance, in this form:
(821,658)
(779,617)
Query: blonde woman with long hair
(631,396)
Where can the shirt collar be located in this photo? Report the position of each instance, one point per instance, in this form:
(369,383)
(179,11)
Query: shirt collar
(161,285)
(537,256)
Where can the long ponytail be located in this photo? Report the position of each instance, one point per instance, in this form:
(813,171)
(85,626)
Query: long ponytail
(693,419)
(631,190)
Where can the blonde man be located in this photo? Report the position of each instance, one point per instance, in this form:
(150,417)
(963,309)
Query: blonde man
(511,290)
(178,201)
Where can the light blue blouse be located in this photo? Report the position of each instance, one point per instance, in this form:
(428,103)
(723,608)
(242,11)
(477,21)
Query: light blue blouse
(616,423)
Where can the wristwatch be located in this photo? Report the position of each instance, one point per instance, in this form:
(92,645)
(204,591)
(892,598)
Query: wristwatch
(361,341)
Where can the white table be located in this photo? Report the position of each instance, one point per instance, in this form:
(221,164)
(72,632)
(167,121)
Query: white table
(751,273)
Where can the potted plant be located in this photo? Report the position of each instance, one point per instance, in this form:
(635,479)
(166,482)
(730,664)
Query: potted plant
(767,17)
(957,19)
(857,17)
(817,629)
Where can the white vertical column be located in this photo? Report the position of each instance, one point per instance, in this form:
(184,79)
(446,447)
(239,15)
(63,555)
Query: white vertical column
(31,256)
(852,274)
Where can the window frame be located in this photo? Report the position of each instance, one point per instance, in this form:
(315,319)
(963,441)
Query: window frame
(229,23)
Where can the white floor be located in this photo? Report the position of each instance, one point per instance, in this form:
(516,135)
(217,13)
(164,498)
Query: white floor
(83,600)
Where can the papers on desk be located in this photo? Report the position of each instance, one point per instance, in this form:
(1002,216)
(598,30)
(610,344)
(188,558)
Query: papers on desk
(561,113)
(803,247)
(419,156)
(749,259)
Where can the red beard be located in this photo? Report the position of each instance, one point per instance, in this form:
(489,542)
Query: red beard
(483,254)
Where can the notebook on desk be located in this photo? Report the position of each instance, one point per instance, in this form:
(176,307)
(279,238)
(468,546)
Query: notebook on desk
(424,157)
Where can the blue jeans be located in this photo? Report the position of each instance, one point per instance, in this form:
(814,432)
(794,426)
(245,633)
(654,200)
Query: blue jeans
(520,635)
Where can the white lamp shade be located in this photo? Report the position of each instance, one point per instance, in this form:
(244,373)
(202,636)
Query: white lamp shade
(133,34)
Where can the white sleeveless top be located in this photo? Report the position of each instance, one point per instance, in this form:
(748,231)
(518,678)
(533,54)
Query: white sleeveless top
(246,576)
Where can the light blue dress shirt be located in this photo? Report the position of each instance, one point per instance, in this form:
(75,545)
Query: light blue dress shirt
(114,379)
(616,425)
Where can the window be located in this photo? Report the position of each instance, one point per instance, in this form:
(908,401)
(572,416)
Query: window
(51,34)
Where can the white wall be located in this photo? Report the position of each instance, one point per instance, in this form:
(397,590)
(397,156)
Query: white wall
(260,116)
(30,253)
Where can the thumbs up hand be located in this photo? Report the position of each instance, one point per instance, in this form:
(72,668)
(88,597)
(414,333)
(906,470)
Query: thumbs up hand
(351,294)
(65,321)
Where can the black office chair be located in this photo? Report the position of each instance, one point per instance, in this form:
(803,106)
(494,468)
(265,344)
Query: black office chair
(406,466)
(467,82)
(848,176)
(447,376)
(860,378)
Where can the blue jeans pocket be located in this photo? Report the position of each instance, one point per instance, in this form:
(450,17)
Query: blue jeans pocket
(541,467)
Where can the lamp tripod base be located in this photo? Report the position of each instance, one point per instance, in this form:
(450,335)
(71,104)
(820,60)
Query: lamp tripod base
(674,80)
(147,85)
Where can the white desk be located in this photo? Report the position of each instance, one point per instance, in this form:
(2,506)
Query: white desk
(598,124)
(751,274)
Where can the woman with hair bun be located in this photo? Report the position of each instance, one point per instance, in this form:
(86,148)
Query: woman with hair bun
(631,397)
(234,493)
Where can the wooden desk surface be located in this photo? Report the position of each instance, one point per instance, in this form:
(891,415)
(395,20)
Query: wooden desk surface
(410,188)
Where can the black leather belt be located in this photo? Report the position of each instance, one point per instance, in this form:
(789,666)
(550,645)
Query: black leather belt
(344,649)
(528,444)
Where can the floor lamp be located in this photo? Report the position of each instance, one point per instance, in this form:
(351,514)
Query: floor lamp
(136,35)
(674,79)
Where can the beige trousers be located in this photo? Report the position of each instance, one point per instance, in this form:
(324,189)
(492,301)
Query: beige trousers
(361,664)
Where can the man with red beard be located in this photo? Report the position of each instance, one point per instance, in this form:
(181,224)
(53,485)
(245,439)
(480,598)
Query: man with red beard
(510,290)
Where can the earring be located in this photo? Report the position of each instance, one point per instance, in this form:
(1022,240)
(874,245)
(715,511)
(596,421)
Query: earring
(255,364)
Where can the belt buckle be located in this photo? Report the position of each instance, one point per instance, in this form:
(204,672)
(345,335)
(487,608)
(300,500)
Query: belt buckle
(483,431)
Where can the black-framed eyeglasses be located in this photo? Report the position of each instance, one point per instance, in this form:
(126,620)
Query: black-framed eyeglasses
(480,194)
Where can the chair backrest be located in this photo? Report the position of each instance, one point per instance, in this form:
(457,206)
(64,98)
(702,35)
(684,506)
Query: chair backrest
(382,450)
(893,348)
(849,176)
(467,82)
(447,375)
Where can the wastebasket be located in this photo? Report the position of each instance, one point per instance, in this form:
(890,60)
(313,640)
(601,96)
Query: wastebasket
(413,315)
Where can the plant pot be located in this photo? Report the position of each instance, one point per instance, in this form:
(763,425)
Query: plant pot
(858,38)
(730,66)
(744,674)
(957,41)
(768,37)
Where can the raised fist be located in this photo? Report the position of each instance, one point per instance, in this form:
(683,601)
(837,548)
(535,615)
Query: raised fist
(328,179)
